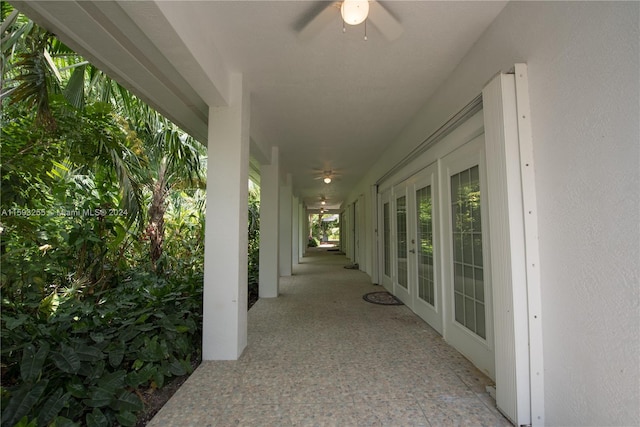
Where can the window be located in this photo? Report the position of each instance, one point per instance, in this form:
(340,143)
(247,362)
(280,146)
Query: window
(467,251)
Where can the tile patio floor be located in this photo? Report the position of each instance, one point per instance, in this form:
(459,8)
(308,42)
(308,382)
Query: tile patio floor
(319,355)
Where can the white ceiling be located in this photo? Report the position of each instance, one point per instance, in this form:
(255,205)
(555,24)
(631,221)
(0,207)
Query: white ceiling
(334,102)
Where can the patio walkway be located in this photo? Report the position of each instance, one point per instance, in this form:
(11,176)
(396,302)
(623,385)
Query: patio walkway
(320,355)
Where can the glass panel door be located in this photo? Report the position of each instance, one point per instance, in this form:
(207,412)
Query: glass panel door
(424,212)
(467,254)
(386,218)
(424,279)
(468,318)
(386,243)
(403,257)
(401,241)
(435,223)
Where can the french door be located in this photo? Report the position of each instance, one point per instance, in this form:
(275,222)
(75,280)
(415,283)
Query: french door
(425,281)
(416,279)
(386,262)
(468,320)
(403,248)
(434,250)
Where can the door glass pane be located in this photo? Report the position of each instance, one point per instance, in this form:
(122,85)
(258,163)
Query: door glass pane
(469,286)
(387,242)
(401,232)
(470,313)
(425,245)
(459,303)
(480,326)
(479,282)
(458,278)
(467,250)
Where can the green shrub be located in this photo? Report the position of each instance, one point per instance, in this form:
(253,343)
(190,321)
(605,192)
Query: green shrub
(86,363)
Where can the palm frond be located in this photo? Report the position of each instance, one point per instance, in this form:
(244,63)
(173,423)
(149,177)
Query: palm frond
(129,187)
(52,66)
(34,80)
(74,91)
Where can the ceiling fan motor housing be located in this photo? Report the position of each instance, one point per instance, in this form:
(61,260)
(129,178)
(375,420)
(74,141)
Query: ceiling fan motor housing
(354,12)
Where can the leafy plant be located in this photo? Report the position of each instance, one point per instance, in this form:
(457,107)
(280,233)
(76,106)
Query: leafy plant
(88,362)
(88,322)
(254,242)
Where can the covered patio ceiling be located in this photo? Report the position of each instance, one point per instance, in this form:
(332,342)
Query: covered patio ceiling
(331,102)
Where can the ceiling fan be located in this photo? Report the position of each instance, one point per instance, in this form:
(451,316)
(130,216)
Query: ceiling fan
(372,11)
(327,176)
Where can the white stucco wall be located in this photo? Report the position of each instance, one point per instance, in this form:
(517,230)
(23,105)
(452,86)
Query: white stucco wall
(584,74)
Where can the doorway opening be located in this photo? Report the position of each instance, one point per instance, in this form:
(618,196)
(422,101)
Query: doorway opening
(324,230)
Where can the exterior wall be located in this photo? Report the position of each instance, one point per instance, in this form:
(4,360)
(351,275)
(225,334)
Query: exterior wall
(583,62)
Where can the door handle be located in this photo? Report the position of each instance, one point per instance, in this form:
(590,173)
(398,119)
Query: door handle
(413,251)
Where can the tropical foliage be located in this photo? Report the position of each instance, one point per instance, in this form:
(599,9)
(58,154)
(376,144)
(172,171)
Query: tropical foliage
(324,227)
(101,239)
(254,242)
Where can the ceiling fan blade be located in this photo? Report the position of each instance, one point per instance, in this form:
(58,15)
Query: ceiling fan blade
(384,21)
(318,22)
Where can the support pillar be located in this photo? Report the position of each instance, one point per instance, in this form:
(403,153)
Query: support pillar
(224,334)
(302,226)
(270,226)
(295,237)
(285,227)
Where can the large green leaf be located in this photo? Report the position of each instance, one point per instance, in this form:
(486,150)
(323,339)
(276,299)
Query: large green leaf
(92,370)
(14,322)
(112,381)
(146,327)
(52,406)
(22,401)
(127,402)
(177,368)
(97,419)
(32,361)
(98,397)
(182,328)
(88,354)
(24,422)
(158,377)
(67,360)
(64,422)
(143,318)
(76,388)
(182,345)
(126,418)
(152,351)
(137,378)
(116,355)
(74,91)
(98,337)
(129,334)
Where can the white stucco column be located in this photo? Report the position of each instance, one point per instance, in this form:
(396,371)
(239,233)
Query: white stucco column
(224,334)
(304,219)
(285,227)
(295,236)
(270,226)
(302,233)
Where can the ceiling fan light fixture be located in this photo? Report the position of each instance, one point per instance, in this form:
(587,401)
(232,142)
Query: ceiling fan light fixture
(354,12)
(327,180)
